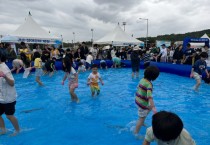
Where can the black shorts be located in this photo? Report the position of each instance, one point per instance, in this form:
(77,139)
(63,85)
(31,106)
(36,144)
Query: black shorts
(146,64)
(8,109)
(49,69)
(135,68)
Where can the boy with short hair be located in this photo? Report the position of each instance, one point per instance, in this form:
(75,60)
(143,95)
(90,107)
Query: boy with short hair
(144,99)
(93,79)
(7,96)
(198,68)
(167,129)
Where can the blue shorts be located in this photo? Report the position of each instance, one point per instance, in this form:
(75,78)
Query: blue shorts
(38,72)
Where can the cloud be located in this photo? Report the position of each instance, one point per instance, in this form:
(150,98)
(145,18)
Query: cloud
(65,17)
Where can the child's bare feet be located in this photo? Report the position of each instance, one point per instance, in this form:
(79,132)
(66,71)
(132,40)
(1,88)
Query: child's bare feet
(77,101)
(3,132)
(139,137)
(14,134)
(144,125)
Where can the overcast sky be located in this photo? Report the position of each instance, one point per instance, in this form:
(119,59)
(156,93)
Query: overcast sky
(63,17)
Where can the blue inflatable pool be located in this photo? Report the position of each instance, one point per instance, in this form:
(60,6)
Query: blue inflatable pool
(182,70)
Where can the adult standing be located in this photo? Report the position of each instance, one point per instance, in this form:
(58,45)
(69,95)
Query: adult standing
(11,55)
(129,51)
(78,55)
(109,53)
(25,50)
(94,51)
(135,62)
(207,50)
(54,53)
(113,52)
(61,51)
(123,54)
(163,53)
(178,54)
(189,55)
(86,50)
(2,49)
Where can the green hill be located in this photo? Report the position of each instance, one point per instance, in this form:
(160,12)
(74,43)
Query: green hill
(176,37)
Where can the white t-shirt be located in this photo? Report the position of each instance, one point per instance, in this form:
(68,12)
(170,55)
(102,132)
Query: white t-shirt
(171,53)
(113,53)
(183,139)
(163,52)
(71,76)
(7,92)
(94,78)
(89,59)
(94,52)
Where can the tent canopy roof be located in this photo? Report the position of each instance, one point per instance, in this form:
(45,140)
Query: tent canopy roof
(205,36)
(118,37)
(30,29)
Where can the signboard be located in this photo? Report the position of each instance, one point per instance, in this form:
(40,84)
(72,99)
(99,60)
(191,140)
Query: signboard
(40,41)
(187,40)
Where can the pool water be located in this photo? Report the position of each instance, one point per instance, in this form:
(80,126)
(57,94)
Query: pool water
(47,116)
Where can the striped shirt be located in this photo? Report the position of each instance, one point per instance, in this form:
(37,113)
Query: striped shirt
(146,58)
(143,93)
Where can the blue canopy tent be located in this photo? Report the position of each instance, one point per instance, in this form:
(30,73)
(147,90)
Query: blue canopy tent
(196,40)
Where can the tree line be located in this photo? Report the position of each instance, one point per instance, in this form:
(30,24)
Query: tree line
(176,37)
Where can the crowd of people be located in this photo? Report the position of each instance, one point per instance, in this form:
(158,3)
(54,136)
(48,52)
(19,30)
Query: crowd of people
(166,127)
(171,54)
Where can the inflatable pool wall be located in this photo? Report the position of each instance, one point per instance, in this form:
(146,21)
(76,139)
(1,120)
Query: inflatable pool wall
(182,70)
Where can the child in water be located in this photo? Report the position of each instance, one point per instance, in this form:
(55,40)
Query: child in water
(72,76)
(38,67)
(17,64)
(7,96)
(50,66)
(167,129)
(198,68)
(144,98)
(26,65)
(93,80)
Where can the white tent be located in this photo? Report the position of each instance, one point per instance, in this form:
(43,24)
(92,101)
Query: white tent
(118,37)
(205,36)
(31,32)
